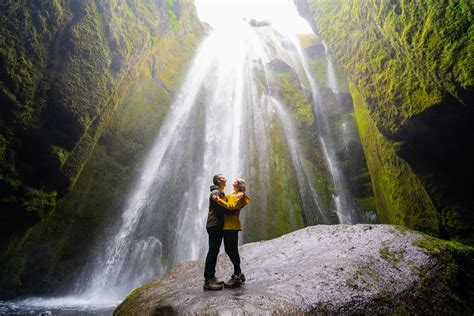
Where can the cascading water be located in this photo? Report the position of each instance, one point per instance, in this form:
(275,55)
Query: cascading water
(163,220)
(345,208)
(223,120)
(333,85)
(309,194)
(331,72)
(211,128)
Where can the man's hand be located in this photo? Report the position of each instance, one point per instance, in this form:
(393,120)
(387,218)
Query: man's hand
(215,197)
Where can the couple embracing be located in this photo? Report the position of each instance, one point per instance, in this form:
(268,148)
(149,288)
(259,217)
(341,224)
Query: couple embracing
(223,223)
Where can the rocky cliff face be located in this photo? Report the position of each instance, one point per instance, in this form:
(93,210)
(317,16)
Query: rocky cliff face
(294,90)
(410,67)
(64,67)
(358,269)
(84,86)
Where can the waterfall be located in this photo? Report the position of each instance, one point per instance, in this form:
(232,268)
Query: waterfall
(218,122)
(309,194)
(345,208)
(330,69)
(226,118)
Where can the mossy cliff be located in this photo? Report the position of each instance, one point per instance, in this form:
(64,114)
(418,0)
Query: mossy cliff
(102,76)
(411,69)
(64,67)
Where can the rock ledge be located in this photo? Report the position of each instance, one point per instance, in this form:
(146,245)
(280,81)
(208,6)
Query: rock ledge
(359,269)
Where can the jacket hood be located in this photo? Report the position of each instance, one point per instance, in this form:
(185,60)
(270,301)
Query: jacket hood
(214,187)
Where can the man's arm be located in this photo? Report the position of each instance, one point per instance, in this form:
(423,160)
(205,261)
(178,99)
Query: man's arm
(214,197)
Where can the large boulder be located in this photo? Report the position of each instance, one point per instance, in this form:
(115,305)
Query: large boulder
(361,269)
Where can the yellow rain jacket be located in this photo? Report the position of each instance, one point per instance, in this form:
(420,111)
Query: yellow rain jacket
(234,204)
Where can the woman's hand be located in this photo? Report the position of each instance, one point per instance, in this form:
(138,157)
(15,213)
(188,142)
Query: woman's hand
(239,195)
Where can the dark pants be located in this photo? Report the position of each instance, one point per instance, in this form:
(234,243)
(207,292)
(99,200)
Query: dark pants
(231,245)
(215,240)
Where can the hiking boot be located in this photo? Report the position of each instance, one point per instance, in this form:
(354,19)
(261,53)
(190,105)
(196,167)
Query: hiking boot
(212,285)
(235,281)
(242,277)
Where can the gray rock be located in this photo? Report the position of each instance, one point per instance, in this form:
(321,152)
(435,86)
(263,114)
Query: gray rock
(255,23)
(315,51)
(279,65)
(338,269)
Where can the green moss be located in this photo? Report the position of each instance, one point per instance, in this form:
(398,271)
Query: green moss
(131,112)
(170,13)
(368,204)
(101,186)
(435,246)
(341,78)
(392,257)
(455,274)
(284,203)
(319,66)
(64,68)
(363,277)
(61,154)
(8,174)
(41,202)
(308,40)
(402,56)
(445,286)
(142,288)
(291,92)
(400,196)
(324,187)
(457,222)
(153,39)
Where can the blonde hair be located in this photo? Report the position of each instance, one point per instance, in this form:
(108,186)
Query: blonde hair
(241,183)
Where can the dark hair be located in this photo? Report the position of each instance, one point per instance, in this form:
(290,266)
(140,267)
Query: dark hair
(215,179)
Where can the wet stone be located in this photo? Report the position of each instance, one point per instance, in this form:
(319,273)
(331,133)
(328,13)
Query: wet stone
(317,274)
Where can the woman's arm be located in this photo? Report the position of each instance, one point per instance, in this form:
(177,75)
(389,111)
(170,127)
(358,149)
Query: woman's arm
(234,204)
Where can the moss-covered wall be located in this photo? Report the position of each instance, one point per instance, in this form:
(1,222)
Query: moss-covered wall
(150,45)
(400,195)
(285,205)
(64,67)
(411,68)
(404,55)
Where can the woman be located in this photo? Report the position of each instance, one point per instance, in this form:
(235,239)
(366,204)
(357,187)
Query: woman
(235,201)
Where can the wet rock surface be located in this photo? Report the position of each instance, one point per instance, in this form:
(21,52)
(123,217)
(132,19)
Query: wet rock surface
(319,269)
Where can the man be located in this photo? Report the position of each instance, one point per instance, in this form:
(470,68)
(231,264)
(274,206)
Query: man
(214,226)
